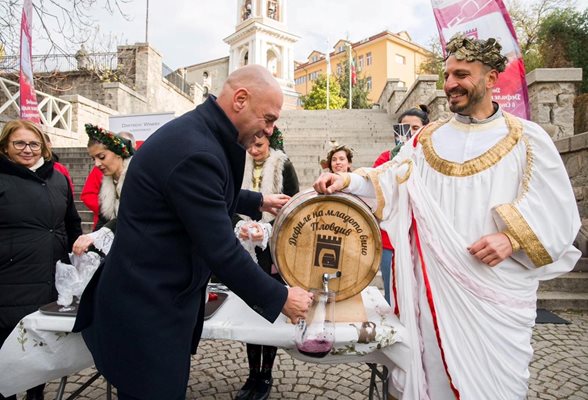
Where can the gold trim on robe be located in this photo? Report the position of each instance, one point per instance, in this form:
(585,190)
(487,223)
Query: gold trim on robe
(475,165)
(524,235)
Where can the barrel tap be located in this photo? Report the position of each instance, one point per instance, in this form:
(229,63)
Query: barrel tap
(327,278)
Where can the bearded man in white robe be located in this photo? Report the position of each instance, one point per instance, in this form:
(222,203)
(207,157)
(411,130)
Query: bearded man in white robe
(479,208)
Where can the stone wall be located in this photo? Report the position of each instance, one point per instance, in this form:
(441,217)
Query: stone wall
(418,93)
(136,86)
(82,83)
(160,94)
(581,113)
(86,111)
(438,106)
(123,99)
(574,152)
(551,97)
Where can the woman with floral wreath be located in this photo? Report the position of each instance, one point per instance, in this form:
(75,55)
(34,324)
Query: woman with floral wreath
(267,170)
(111,154)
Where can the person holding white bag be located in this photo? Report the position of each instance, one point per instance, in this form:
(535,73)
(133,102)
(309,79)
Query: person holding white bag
(112,155)
(38,226)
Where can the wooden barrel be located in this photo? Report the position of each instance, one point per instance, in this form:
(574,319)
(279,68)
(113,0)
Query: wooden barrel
(316,234)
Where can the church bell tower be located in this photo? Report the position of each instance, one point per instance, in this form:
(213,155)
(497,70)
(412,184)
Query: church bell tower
(261,38)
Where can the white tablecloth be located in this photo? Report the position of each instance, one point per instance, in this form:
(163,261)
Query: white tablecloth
(41,348)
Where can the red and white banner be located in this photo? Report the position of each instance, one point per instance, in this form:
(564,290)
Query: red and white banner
(483,19)
(28,98)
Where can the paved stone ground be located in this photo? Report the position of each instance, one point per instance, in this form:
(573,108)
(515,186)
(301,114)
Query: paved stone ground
(559,370)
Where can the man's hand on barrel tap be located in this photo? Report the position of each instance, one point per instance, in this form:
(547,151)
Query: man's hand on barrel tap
(272,203)
(329,183)
(297,304)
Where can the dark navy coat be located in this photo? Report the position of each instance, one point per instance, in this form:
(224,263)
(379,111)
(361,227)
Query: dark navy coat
(142,313)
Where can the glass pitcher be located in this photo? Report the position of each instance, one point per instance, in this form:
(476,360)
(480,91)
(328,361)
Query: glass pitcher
(315,335)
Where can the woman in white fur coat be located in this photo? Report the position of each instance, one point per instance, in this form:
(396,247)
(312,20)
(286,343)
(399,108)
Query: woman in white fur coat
(267,170)
(111,154)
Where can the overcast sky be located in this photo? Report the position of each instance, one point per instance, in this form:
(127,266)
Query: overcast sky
(188,32)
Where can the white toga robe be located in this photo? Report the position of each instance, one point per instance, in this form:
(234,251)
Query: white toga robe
(471,324)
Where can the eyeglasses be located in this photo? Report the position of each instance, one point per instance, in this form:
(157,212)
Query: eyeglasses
(21,144)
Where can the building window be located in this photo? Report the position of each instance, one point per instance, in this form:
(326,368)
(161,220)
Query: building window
(400,59)
(341,49)
(368,58)
(300,80)
(339,69)
(360,63)
(368,81)
(272,10)
(246,11)
(313,75)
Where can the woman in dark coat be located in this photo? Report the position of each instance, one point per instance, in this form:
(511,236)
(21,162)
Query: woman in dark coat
(267,170)
(38,226)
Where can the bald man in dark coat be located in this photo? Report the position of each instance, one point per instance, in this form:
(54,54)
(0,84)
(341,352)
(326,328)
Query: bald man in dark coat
(142,313)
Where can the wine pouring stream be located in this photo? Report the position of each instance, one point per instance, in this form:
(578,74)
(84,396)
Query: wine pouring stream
(315,335)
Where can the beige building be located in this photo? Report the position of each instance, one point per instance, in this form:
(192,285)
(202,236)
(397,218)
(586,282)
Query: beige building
(378,58)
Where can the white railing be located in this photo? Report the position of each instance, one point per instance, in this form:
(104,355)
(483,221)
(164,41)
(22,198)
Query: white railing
(53,111)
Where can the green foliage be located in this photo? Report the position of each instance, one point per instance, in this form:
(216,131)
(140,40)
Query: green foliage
(527,17)
(563,39)
(359,92)
(433,64)
(316,99)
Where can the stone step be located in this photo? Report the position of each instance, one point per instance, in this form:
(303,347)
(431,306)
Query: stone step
(562,300)
(581,265)
(572,282)
(86,216)
(87,227)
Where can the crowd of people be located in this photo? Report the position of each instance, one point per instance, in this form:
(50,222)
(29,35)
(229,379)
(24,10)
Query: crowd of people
(474,211)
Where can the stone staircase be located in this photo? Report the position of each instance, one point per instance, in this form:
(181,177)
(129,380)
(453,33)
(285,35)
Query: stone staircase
(79,164)
(567,292)
(307,134)
(368,132)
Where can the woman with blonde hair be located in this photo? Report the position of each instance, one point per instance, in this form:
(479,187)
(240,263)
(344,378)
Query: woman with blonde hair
(38,227)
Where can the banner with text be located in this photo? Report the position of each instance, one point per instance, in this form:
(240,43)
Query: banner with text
(28,99)
(140,125)
(482,19)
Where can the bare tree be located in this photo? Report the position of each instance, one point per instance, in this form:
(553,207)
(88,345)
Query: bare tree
(56,21)
(527,16)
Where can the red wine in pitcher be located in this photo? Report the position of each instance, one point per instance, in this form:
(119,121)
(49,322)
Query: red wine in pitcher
(316,348)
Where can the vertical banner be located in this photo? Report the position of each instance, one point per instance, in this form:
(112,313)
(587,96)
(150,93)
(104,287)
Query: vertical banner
(482,19)
(28,97)
(328,59)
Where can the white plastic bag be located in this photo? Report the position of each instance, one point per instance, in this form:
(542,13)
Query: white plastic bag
(72,279)
(67,281)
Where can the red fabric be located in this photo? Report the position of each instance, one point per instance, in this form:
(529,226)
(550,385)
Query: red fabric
(415,140)
(383,158)
(432,305)
(91,191)
(63,169)
(393,279)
